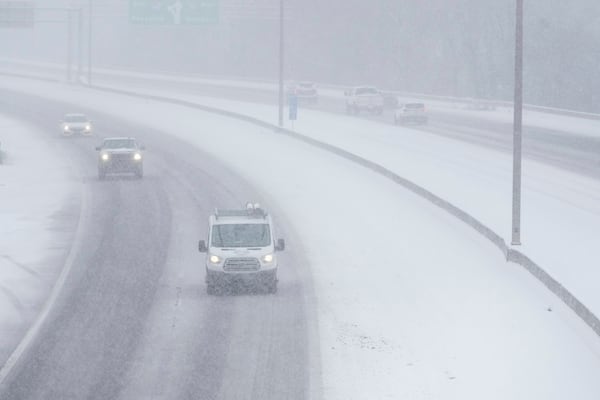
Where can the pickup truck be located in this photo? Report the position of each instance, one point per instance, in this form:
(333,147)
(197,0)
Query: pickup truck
(364,98)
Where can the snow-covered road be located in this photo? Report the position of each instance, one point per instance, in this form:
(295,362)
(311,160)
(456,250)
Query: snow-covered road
(410,302)
(560,211)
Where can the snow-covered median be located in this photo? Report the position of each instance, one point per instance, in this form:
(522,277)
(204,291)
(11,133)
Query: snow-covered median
(411,302)
(38,205)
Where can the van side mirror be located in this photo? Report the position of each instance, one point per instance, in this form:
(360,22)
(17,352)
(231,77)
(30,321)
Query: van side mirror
(346,93)
(142,147)
(98,148)
(280,246)
(202,247)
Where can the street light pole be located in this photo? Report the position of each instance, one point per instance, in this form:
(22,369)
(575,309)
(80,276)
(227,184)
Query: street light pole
(69,43)
(281,57)
(517,127)
(89,63)
(79,43)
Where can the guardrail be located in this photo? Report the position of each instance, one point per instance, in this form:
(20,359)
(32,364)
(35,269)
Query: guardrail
(510,254)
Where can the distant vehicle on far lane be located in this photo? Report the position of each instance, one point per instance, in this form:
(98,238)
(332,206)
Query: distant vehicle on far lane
(390,100)
(305,91)
(120,155)
(364,98)
(410,112)
(76,123)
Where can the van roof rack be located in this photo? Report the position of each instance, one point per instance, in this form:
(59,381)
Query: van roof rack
(251,211)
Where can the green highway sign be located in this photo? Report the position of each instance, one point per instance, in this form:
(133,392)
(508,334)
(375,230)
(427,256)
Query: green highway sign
(173,12)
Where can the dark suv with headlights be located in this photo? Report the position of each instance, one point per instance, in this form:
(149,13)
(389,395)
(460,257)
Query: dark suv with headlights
(120,155)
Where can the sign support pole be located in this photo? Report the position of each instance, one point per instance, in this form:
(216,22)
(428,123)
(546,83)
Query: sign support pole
(89,61)
(281,57)
(69,43)
(517,128)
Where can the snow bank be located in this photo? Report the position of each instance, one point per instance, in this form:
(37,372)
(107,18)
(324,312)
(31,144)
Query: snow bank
(36,207)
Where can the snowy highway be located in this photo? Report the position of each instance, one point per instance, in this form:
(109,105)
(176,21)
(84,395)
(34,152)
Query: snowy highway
(381,296)
(423,226)
(564,145)
(560,146)
(138,275)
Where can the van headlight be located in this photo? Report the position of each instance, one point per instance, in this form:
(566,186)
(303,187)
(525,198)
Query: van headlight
(214,259)
(137,156)
(104,156)
(66,128)
(268,258)
(88,127)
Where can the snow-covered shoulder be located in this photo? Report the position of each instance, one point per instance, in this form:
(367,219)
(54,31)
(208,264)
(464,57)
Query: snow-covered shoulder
(38,205)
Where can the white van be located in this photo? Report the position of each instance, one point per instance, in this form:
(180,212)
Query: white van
(241,249)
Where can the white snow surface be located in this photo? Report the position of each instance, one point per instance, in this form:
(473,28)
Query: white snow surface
(411,302)
(560,209)
(36,187)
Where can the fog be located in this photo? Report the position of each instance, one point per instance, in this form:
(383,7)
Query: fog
(458,48)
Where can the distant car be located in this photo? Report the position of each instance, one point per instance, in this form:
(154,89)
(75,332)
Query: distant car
(410,112)
(120,155)
(364,98)
(76,124)
(305,91)
(390,100)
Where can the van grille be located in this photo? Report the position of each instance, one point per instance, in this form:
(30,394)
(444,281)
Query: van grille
(241,264)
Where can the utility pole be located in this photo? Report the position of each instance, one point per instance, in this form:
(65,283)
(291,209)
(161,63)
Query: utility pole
(79,43)
(517,127)
(281,64)
(89,63)
(69,43)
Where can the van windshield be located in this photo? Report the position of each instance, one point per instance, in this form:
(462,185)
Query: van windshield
(241,235)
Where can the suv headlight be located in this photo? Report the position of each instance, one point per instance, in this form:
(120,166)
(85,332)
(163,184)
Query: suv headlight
(88,127)
(66,127)
(268,258)
(104,157)
(137,156)
(214,259)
